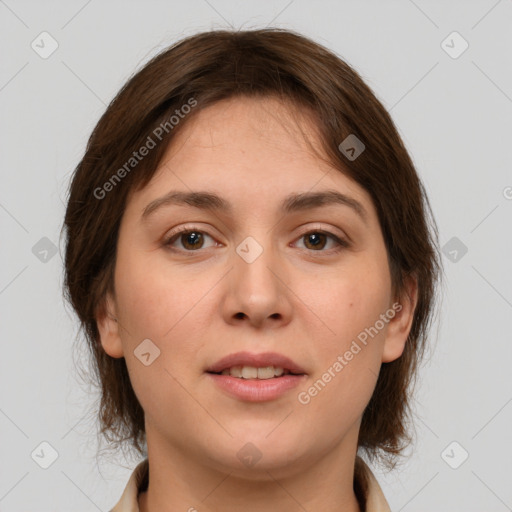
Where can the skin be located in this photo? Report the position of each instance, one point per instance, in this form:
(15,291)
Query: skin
(305,302)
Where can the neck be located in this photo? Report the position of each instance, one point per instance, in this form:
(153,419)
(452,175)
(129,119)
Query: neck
(181,480)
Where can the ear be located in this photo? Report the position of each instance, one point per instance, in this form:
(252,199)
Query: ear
(400,325)
(108,327)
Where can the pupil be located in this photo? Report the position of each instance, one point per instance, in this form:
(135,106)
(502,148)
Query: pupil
(314,239)
(190,238)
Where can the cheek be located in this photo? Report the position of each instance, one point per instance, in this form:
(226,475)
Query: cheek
(351,301)
(348,362)
(152,300)
(169,310)
(349,353)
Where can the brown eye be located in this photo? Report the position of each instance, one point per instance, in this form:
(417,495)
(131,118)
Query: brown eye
(318,240)
(190,239)
(315,240)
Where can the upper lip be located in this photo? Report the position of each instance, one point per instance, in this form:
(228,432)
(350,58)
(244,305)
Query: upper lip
(256,360)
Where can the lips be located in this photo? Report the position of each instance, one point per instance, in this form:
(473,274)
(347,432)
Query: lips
(261,360)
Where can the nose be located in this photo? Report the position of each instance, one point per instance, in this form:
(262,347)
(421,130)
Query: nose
(256,292)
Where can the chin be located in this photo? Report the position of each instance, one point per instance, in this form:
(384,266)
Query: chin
(251,453)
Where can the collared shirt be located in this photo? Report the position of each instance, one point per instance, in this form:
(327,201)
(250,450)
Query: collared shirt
(372,499)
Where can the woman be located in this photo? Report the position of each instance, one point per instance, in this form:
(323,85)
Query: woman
(253,260)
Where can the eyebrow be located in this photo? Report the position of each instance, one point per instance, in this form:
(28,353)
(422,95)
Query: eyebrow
(292,203)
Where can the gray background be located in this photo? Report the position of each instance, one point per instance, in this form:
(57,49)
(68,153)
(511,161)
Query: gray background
(455,117)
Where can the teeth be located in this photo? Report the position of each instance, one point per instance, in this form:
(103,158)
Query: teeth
(251,372)
(266,373)
(236,371)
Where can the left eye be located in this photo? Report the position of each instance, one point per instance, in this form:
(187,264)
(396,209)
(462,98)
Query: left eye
(318,240)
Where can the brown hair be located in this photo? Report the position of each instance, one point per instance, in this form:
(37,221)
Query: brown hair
(199,71)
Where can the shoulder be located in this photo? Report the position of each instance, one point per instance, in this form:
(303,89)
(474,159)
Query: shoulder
(137,483)
(367,489)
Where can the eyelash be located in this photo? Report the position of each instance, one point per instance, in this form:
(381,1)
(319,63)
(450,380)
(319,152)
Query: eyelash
(342,244)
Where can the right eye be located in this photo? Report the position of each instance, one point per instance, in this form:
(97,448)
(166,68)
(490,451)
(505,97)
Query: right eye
(191,239)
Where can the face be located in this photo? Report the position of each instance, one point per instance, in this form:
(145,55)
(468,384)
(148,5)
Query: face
(198,282)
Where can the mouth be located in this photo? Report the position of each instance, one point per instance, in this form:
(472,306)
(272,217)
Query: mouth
(253,372)
(247,365)
(256,377)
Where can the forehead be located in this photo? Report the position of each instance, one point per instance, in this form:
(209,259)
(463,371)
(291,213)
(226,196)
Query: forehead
(248,126)
(247,147)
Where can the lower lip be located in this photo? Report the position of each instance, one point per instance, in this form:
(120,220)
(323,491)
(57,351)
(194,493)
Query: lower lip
(257,390)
